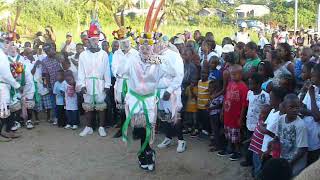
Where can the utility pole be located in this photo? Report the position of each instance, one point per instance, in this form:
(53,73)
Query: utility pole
(318,19)
(295,16)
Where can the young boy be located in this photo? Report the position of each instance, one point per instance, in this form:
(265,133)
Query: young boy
(191,106)
(215,108)
(202,101)
(257,140)
(71,100)
(292,135)
(276,97)
(214,73)
(59,94)
(312,103)
(235,105)
(257,98)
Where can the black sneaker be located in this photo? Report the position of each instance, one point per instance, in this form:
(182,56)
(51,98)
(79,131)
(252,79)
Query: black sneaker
(223,153)
(235,156)
(142,161)
(151,160)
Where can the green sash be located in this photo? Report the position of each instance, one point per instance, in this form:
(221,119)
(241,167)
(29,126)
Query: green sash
(140,98)
(94,102)
(124,89)
(37,97)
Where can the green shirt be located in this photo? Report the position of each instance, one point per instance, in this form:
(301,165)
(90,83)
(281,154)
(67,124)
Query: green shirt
(251,63)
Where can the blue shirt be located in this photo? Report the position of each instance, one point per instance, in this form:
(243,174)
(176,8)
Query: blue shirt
(110,55)
(215,74)
(58,91)
(298,68)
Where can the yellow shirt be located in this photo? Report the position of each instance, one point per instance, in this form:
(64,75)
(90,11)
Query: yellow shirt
(192,101)
(203,94)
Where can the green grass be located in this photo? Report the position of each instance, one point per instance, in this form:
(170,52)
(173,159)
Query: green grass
(219,32)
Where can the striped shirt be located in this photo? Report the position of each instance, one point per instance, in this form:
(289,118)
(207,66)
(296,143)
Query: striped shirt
(203,94)
(257,140)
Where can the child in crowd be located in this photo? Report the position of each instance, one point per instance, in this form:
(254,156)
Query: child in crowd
(312,103)
(215,108)
(287,82)
(306,77)
(235,105)
(71,100)
(276,97)
(306,55)
(292,135)
(257,140)
(257,98)
(266,70)
(214,73)
(191,106)
(202,102)
(58,91)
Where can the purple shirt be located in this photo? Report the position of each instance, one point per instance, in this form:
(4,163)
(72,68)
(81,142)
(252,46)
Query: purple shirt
(51,67)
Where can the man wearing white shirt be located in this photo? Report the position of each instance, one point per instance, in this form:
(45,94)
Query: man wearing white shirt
(69,47)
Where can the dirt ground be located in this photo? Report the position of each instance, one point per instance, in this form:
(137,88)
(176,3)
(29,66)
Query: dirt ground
(51,153)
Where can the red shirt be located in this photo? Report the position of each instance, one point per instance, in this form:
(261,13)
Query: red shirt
(235,101)
(257,140)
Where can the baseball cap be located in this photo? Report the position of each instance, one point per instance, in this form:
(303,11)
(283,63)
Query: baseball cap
(69,34)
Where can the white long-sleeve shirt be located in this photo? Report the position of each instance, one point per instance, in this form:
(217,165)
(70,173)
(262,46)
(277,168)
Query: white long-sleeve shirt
(143,79)
(168,82)
(5,73)
(94,66)
(119,56)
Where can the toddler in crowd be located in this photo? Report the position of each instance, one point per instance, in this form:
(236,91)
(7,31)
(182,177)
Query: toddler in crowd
(257,140)
(71,101)
(191,106)
(215,108)
(202,102)
(58,91)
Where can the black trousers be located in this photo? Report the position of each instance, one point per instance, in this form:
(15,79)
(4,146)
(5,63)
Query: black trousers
(141,134)
(172,130)
(7,122)
(248,154)
(217,131)
(61,115)
(203,120)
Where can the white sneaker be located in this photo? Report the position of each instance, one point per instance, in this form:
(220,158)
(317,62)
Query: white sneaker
(68,126)
(55,121)
(86,131)
(102,132)
(16,126)
(165,143)
(181,146)
(29,124)
(74,127)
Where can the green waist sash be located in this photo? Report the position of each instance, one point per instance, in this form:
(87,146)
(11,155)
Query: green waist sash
(140,98)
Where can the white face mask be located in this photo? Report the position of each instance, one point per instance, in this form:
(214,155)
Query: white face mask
(125,45)
(94,45)
(145,51)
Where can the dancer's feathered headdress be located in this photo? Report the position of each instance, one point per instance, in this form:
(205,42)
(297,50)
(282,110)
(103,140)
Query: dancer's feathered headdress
(123,32)
(150,35)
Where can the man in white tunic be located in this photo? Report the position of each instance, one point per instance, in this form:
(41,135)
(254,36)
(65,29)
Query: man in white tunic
(94,81)
(169,94)
(121,86)
(26,81)
(6,82)
(144,72)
